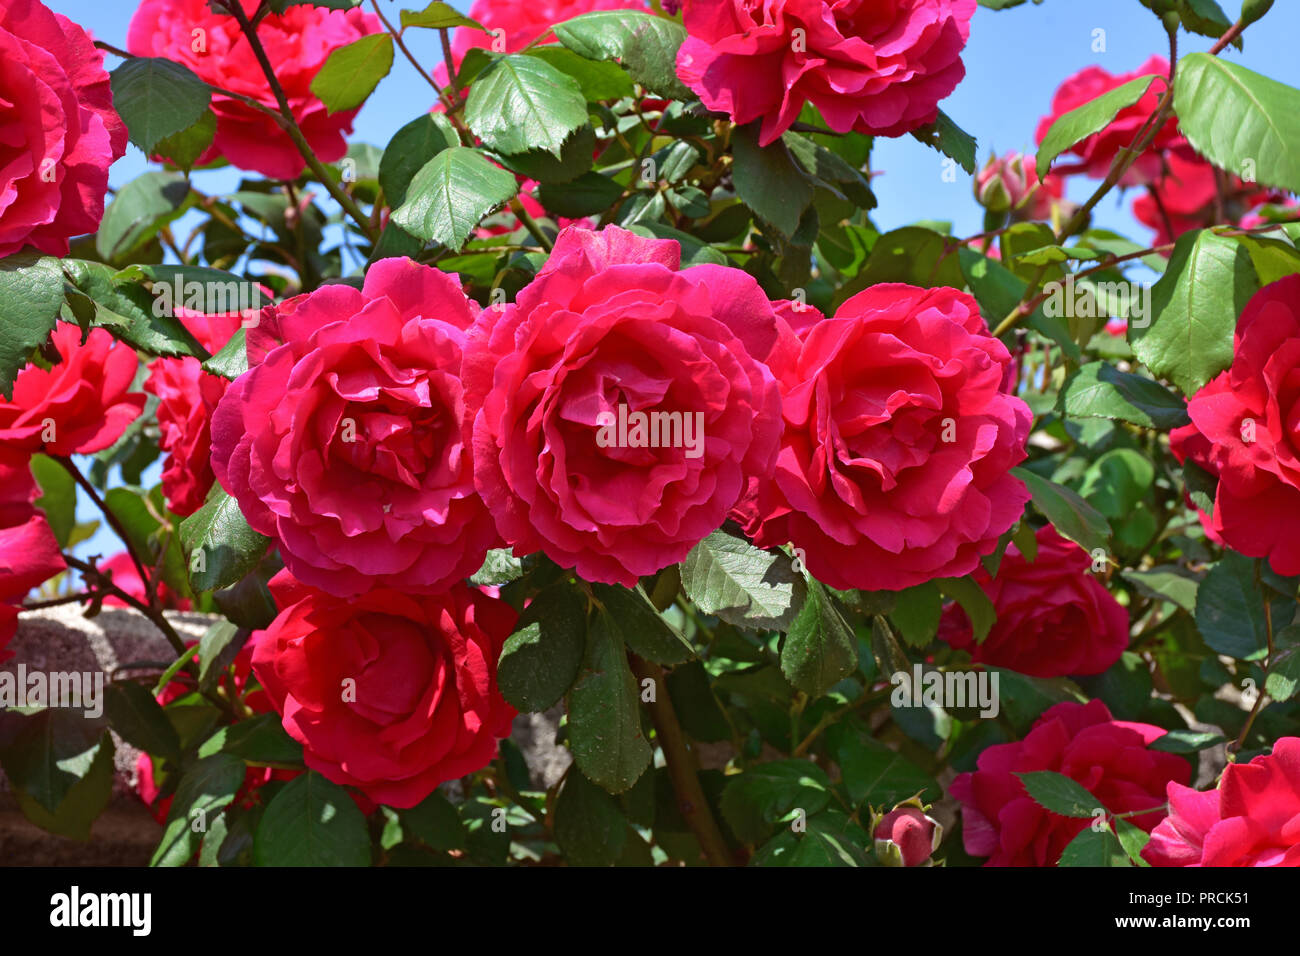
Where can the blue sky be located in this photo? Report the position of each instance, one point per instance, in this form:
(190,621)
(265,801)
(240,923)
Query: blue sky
(1014,61)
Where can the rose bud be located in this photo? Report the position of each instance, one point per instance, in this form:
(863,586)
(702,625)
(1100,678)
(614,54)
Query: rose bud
(905,836)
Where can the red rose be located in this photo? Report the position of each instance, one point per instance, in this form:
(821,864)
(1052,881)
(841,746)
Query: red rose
(1098,151)
(879,69)
(187,397)
(80,405)
(894,465)
(59,130)
(905,836)
(610,330)
(349,441)
(1054,618)
(389,693)
(297,42)
(1108,757)
(29,553)
(1243,431)
(1252,819)
(1187,197)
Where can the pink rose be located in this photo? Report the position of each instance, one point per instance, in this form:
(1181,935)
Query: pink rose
(899,438)
(387,692)
(612,333)
(1187,197)
(1251,819)
(1054,618)
(297,42)
(905,836)
(187,397)
(59,130)
(1243,432)
(1108,757)
(80,405)
(349,443)
(879,69)
(29,553)
(1098,151)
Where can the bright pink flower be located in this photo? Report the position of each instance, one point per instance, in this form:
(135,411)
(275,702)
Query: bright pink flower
(1097,152)
(297,42)
(187,398)
(80,405)
(1251,819)
(516,24)
(389,693)
(905,836)
(1110,758)
(1244,431)
(348,440)
(612,328)
(1054,618)
(1187,198)
(899,439)
(58,130)
(29,553)
(879,69)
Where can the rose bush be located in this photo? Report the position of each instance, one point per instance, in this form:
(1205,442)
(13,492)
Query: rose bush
(614,465)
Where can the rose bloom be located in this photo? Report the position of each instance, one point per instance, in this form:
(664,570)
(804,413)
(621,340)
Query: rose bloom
(1109,758)
(187,398)
(80,405)
(349,442)
(1098,151)
(1187,198)
(516,24)
(610,327)
(388,692)
(1244,432)
(879,69)
(29,553)
(1011,183)
(1252,819)
(899,437)
(58,128)
(1054,618)
(297,42)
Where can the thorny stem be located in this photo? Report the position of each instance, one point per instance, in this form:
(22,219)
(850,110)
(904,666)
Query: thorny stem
(290,125)
(1237,744)
(691,801)
(530,224)
(113,522)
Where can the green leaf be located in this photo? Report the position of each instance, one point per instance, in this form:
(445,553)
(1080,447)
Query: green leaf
(1094,848)
(258,740)
(1230,609)
(85,800)
(588,195)
(916,613)
(755,801)
(744,586)
(1060,794)
(58,496)
(644,630)
(1273,257)
(950,139)
(600,80)
(352,72)
(312,822)
(831,838)
(1092,117)
(575,159)
(433,821)
(1167,584)
(874,774)
(604,714)
(50,751)
(820,648)
(136,716)
(998,291)
(541,658)
(230,547)
(450,195)
(589,826)
(183,149)
(31,286)
(1179,741)
(138,211)
(769,181)
(520,103)
(157,98)
(1194,310)
(1239,120)
(1132,838)
(974,601)
(1283,678)
(499,567)
(220,643)
(1202,487)
(206,788)
(646,45)
(437,16)
(232,359)
(1099,390)
(1073,517)
(409,150)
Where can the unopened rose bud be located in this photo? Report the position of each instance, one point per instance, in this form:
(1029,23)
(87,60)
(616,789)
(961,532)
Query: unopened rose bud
(906,837)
